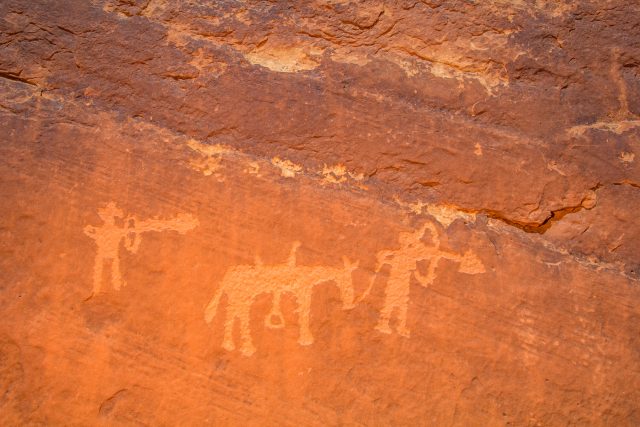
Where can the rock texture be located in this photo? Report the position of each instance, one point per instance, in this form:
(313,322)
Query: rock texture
(319,212)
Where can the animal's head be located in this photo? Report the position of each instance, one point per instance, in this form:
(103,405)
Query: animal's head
(345,282)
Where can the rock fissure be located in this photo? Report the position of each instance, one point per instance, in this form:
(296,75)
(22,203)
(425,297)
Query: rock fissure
(16,78)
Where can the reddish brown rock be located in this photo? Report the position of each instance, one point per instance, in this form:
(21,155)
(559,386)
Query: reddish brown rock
(326,212)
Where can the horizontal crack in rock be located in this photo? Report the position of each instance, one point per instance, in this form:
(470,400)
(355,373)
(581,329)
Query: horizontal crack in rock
(588,202)
(16,78)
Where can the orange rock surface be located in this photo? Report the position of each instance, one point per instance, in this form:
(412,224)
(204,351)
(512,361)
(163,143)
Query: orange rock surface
(320,212)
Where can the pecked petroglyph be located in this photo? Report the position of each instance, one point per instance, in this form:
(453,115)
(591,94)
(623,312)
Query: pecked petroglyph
(403,264)
(242,284)
(616,127)
(288,169)
(285,59)
(338,174)
(210,160)
(443,214)
(210,156)
(627,157)
(116,228)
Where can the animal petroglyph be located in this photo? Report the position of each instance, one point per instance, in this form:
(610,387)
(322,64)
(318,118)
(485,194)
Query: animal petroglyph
(403,264)
(242,284)
(116,229)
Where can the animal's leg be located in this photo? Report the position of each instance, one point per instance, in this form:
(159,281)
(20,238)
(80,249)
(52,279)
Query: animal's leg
(247,348)
(385,313)
(402,319)
(227,342)
(304,312)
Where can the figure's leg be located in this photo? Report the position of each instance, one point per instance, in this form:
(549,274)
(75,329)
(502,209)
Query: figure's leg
(402,318)
(115,274)
(304,313)
(247,348)
(396,297)
(387,310)
(97,273)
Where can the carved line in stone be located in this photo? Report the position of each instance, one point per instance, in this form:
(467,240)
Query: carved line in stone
(110,234)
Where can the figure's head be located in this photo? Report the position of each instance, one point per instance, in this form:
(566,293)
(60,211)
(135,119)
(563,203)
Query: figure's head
(110,212)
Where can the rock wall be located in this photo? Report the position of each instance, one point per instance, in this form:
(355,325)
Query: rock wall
(319,212)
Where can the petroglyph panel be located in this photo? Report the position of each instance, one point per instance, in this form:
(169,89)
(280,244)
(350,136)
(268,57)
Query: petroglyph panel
(117,229)
(346,126)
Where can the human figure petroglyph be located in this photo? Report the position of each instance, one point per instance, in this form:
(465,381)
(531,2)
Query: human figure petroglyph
(242,284)
(116,229)
(403,264)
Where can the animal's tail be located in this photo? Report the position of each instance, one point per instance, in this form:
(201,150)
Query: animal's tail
(212,307)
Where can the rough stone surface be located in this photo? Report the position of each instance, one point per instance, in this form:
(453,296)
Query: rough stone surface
(320,212)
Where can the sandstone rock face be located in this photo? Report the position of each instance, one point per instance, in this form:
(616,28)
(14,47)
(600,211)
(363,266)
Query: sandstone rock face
(319,212)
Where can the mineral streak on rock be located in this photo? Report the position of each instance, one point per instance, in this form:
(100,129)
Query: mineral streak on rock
(319,212)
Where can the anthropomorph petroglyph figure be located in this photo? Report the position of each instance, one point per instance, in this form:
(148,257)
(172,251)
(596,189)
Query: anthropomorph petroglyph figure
(403,264)
(242,284)
(116,229)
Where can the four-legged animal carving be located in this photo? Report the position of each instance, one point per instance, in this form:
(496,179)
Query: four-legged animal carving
(242,284)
